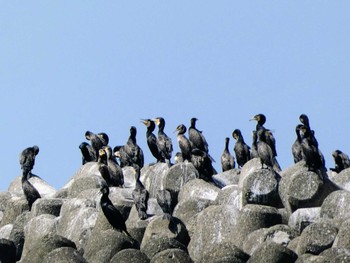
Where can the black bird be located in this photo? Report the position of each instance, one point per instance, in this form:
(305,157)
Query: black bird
(115,171)
(119,152)
(133,151)
(296,147)
(196,137)
(310,152)
(103,167)
(227,160)
(164,143)
(104,138)
(140,195)
(151,138)
(203,163)
(264,150)
(341,161)
(241,149)
(97,142)
(88,153)
(254,149)
(164,200)
(268,136)
(184,143)
(114,217)
(27,159)
(30,192)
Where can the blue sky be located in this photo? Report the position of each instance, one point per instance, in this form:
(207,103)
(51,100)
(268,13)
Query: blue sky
(68,67)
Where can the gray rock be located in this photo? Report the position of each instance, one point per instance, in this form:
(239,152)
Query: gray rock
(160,227)
(36,230)
(300,188)
(103,245)
(280,234)
(15,206)
(50,206)
(253,217)
(215,224)
(64,255)
(259,186)
(17,233)
(5,231)
(336,206)
(342,179)
(293,244)
(77,219)
(130,255)
(4,197)
(336,255)
(153,176)
(342,240)
(172,255)
(41,185)
(309,258)
(271,252)
(129,177)
(223,253)
(198,189)
(157,245)
(7,251)
(303,217)
(230,177)
(82,184)
(316,238)
(230,195)
(43,246)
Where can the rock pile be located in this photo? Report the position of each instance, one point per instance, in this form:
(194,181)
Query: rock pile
(243,215)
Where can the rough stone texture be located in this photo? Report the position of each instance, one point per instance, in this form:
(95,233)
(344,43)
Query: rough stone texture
(215,224)
(64,255)
(77,219)
(223,253)
(272,252)
(197,190)
(83,183)
(5,231)
(152,177)
(230,177)
(157,245)
(17,233)
(130,255)
(7,251)
(342,240)
(43,246)
(42,186)
(336,255)
(300,188)
(50,206)
(15,206)
(172,255)
(135,225)
(342,179)
(103,245)
(4,197)
(316,237)
(336,206)
(303,217)
(178,175)
(230,195)
(280,234)
(253,217)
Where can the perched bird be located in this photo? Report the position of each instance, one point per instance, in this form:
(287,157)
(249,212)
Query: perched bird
(178,158)
(88,153)
(96,141)
(133,151)
(119,152)
(184,143)
(151,138)
(241,149)
(196,137)
(27,159)
(114,217)
(164,143)
(267,136)
(310,152)
(341,161)
(296,147)
(264,150)
(227,160)
(165,201)
(140,194)
(30,192)
(203,163)
(115,171)
(103,167)
(104,138)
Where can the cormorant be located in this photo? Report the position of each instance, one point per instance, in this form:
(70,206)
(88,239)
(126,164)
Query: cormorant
(27,159)
(140,194)
(310,151)
(151,138)
(241,149)
(196,137)
(296,147)
(119,152)
(267,136)
(114,217)
(29,190)
(104,138)
(254,149)
(227,160)
(103,167)
(133,151)
(88,153)
(164,143)
(97,142)
(115,171)
(178,158)
(184,143)
(203,163)
(341,161)
(264,150)
(165,201)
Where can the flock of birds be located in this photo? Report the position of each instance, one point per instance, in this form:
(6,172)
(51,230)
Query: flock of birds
(194,149)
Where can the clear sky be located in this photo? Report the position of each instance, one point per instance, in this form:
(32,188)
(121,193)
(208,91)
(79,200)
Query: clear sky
(71,66)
